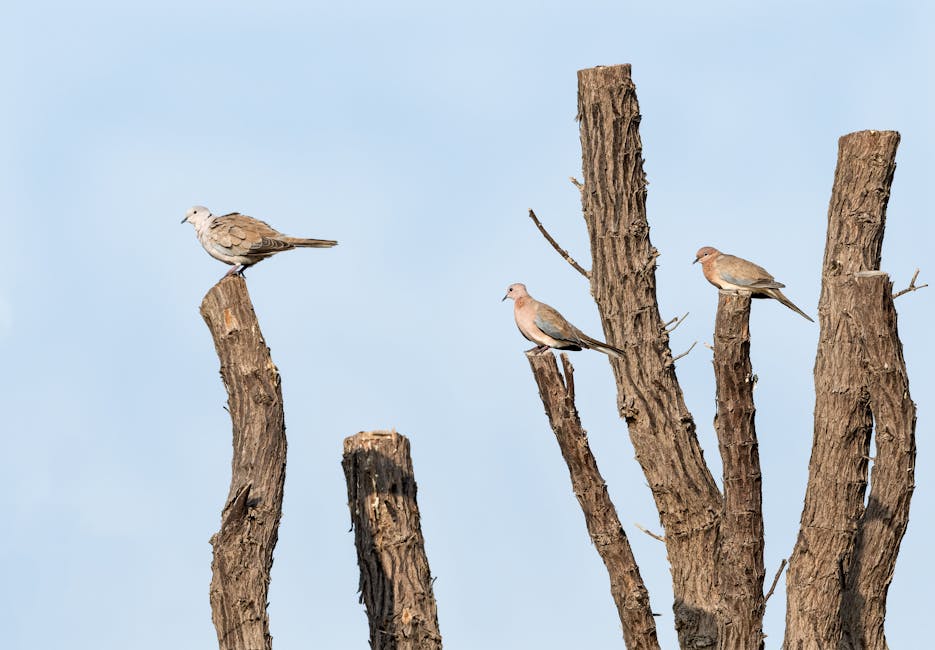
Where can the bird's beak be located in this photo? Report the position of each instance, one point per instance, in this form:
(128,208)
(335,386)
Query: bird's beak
(505,297)
(184,219)
(696,259)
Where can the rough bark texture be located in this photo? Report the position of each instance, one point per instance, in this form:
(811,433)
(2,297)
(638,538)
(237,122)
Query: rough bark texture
(626,584)
(740,553)
(243,548)
(395,581)
(649,398)
(845,554)
(883,522)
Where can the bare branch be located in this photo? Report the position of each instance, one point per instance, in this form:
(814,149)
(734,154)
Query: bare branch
(561,251)
(912,286)
(610,540)
(772,587)
(576,183)
(651,533)
(679,356)
(677,321)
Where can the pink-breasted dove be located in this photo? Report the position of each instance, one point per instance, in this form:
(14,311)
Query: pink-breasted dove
(737,274)
(547,328)
(241,240)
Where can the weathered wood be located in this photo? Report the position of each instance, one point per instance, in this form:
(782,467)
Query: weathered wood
(843,559)
(626,584)
(857,210)
(395,581)
(740,553)
(649,397)
(243,548)
(884,521)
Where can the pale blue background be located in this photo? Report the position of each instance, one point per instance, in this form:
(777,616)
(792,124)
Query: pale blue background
(418,134)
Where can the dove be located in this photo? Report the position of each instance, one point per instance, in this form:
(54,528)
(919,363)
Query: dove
(547,328)
(737,274)
(241,240)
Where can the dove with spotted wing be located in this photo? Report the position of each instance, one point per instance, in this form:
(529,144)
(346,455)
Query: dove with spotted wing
(241,240)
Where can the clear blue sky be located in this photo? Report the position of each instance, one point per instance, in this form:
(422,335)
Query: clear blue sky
(418,135)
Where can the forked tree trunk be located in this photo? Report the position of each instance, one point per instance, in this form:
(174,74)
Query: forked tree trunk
(243,548)
(844,558)
(649,397)
(845,555)
(626,584)
(395,581)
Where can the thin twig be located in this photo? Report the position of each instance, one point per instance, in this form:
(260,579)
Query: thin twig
(772,587)
(674,359)
(651,533)
(912,286)
(576,183)
(561,251)
(677,321)
(708,345)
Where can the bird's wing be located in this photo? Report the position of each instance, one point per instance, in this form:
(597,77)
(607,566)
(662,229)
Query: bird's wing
(554,324)
(224,232)
(740,272)
(250,236)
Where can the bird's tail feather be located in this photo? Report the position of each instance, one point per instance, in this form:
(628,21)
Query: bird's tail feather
(301,242)
(602,347)
(781,297)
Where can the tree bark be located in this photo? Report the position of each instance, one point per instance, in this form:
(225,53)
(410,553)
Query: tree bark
(740,553)
(395,581)
(883,522)
(243,548)
(845,554)
(626,584)
(649,397)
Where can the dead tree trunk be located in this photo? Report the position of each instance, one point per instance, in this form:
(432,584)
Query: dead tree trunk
(740,553)
(626,584)
(243,548)
(844,558)
(395,581)
(649,397)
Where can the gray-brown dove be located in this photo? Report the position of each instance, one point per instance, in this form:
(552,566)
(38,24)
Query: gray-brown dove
(547,328)
(737,274)
(241,240)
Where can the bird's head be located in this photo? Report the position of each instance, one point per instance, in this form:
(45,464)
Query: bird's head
(197,215)
(706,254)
(515,291)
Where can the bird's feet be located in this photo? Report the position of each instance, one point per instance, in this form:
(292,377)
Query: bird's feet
(237,269)
(539,349)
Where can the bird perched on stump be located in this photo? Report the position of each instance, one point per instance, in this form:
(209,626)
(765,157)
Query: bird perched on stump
(241,240)
(547,328)
(737,274)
